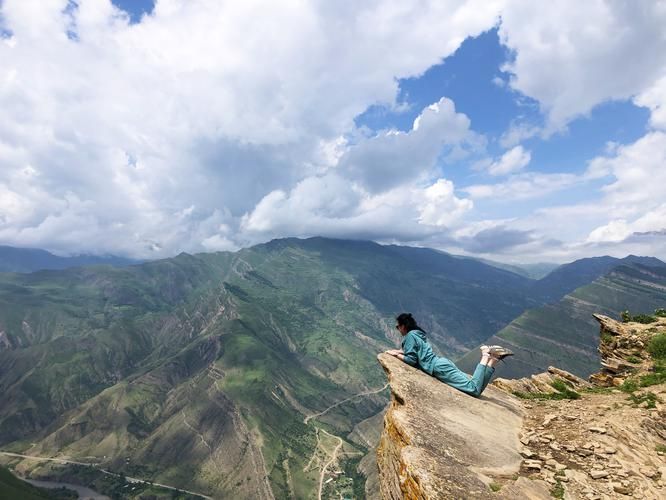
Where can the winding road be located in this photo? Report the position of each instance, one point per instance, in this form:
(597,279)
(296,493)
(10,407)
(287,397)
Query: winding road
(360,394)
(334,455)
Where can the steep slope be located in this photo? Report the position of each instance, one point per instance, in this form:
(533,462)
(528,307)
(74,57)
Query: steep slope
(564,333)
(158,370)
(567,277)
(27,260)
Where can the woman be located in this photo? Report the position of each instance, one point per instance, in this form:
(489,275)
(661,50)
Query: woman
(416,351)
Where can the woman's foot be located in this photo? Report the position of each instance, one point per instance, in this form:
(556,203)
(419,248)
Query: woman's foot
(496,351)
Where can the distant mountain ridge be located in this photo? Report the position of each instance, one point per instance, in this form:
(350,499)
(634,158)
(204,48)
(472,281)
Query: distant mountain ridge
(568,277)
(564,333)
(28,260)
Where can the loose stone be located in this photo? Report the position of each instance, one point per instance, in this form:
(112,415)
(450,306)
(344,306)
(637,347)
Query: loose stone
(598,474)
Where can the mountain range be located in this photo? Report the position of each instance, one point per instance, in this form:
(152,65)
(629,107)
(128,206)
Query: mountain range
(27,260)
(223,373)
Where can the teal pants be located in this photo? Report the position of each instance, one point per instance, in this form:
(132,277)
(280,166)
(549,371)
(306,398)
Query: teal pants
(449,373)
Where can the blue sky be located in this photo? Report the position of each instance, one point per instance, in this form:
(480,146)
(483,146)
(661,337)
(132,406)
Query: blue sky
(499,129)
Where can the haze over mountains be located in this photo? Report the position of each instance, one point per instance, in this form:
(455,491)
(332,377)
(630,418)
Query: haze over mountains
(200,370)
(27,260)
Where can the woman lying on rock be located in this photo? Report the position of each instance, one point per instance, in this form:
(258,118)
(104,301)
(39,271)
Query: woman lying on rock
(416,351)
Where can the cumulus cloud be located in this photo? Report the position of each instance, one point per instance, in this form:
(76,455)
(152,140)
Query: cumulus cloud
(571,56)
(513,160)
(654,98)
(330,205)
(393,157)
(209,104)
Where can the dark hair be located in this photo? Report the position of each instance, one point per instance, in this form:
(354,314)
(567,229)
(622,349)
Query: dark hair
(407,320)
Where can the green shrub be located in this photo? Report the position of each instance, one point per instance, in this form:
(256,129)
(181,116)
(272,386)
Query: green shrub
(557,491)
(629,386)
(661,448)
(633,359)
(495,487)
(657,346)
(645,397)
(642,318)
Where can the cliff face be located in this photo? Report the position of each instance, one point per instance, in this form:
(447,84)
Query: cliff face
(548,435)
(441,443)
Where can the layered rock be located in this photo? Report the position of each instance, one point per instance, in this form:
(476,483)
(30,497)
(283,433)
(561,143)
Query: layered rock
(622,347)
(441,443)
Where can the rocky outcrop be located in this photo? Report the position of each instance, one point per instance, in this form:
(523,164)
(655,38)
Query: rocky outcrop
(441,443)
(544,383)
(623,349)
(548,435)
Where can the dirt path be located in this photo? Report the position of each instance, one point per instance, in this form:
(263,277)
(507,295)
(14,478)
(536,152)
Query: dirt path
(361,394)
(334,456)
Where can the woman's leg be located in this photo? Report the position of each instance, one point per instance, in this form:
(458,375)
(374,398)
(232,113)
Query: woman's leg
(448,372)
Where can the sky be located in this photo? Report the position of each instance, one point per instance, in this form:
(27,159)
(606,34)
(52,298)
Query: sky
(509,130)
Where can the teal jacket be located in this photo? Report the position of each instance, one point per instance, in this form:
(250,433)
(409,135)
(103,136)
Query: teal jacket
(417,351)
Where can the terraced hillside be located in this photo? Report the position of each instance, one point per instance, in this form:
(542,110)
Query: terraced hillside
(565,334)
(199,371)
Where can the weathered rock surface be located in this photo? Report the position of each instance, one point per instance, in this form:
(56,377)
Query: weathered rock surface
(622,349)
(441,443)
(601,444)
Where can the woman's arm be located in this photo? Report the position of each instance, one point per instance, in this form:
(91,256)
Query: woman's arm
(396,353)
(409,353)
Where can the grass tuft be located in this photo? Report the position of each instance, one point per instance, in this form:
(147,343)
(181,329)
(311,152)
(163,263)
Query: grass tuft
(557,491)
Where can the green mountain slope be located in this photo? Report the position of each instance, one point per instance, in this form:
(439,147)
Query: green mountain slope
(198,371)
(565,334)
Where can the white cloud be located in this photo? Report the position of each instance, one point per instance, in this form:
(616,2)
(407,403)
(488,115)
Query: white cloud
(523,186)
(441,207)
(517,133)
(614,231)
(393,157)
(205,103)
(513,160)
(333,206)
(572,55)
(654,98)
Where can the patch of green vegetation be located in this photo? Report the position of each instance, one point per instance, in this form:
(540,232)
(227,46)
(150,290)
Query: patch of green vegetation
(563,391)
(646,397)
(660,448)
(660,313)
(633,359)
(640,318)
(13,487)
(629,386)
(658,376)
(598,390)
(657,346)
(606,338)
(495,487)
(557,491)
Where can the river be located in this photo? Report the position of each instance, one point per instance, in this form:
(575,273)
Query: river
(83,492)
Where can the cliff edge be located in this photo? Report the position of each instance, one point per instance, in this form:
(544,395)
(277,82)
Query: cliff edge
(551,435)
(441,443)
